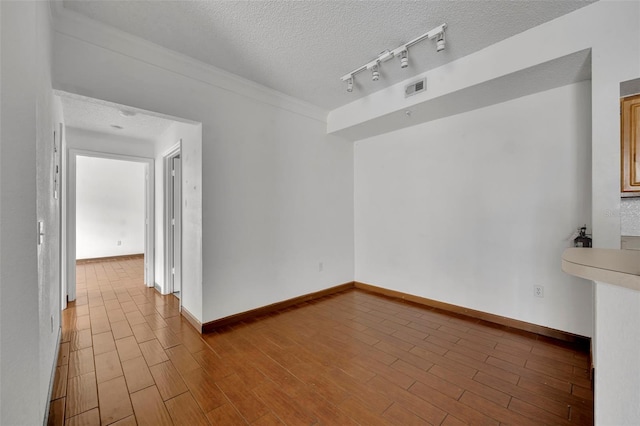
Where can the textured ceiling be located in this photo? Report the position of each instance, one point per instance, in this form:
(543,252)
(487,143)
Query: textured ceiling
(99,116)
(302,48)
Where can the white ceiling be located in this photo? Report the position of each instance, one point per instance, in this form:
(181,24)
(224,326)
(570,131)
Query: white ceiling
(101,116)
(302,48)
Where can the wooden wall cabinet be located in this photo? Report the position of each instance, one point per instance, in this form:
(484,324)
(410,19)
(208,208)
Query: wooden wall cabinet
(630,145)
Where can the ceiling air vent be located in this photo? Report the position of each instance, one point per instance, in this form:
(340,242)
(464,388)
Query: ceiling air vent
(415,87)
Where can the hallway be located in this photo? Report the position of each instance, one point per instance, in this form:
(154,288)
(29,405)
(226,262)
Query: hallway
(114,357)
(127,357)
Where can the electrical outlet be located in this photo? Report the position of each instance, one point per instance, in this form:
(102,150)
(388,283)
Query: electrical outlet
(538,291)
(320,267)
(119,242)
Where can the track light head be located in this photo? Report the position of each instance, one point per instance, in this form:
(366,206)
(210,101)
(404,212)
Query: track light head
(375,73)
(438,34)
(440,42)
(349,78)
(404,58)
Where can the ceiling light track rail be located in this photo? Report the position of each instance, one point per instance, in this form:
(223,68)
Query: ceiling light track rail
(401,52)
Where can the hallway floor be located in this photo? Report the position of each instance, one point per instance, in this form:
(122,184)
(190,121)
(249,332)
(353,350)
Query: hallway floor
(127,357)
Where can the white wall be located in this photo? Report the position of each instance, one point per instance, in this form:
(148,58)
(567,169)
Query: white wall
(277,192)
(191,217)
(475,209)
(191,154)
(617,375)
(110,207)
(30,302)
(48,117)
(281,202)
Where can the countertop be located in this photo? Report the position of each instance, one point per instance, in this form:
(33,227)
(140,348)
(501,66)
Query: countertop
(613,266)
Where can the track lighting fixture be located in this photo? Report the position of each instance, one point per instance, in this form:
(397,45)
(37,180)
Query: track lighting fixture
(404,58)
(402,52)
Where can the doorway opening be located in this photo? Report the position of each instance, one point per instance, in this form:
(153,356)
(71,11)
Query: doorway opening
(172,163)
(114,232)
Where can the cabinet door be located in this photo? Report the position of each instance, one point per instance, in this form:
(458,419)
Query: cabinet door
(630,144)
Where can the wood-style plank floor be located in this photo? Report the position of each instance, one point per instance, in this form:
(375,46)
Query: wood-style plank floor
(127,357)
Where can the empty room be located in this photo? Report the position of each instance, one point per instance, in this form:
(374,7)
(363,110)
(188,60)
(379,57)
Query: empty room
(319,212)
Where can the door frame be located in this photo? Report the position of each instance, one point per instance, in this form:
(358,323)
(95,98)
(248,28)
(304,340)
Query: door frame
(169,242)
(149,241)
